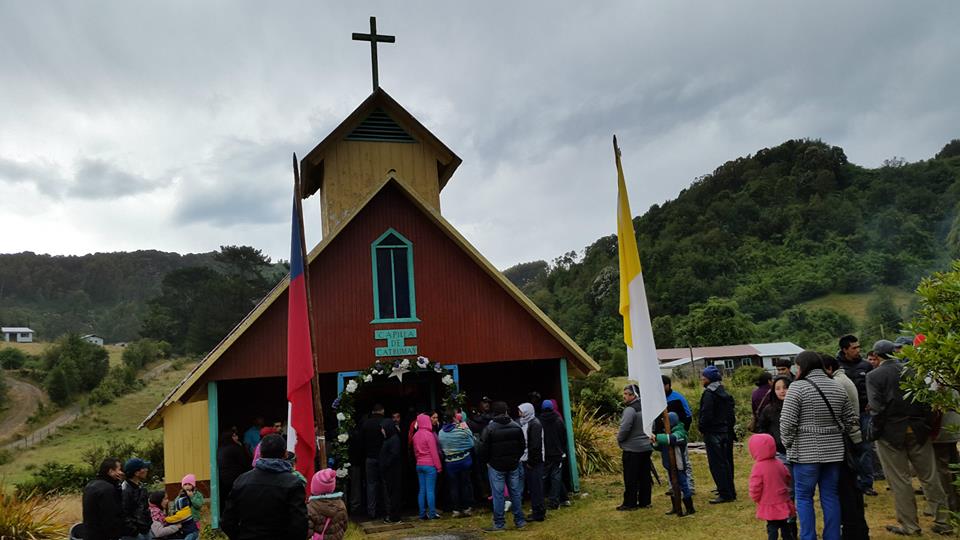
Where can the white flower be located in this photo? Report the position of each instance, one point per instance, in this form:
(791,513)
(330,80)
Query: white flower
(378,372)
(447,380)
(367,378)
(405,363)
(438,368)
(423,362)
(341,417)
(352,386)
(343,437)
(346,465)
(341,472)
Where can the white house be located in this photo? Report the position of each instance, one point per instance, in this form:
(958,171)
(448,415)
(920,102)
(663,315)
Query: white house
(93,338)
(18,334)
(770,352)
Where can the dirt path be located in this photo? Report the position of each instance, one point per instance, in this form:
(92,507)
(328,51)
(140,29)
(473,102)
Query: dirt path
(23,399)
(67,416)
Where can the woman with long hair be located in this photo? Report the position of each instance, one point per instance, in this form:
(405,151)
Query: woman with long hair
(815,416)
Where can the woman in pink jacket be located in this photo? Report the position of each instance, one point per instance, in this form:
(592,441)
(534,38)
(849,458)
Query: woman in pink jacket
(426,452)
(770,488)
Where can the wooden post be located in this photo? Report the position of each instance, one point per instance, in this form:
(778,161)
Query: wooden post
(315,382)
(676,495)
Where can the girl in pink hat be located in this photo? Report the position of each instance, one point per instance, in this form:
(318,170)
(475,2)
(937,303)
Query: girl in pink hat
(326,513)
(190,497)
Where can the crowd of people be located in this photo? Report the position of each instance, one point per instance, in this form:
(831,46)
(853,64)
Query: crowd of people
(821,422)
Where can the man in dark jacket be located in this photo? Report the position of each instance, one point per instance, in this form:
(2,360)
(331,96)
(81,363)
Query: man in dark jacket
(856,369)
(501,447)
(372,441)
(903,430)
(102,510)
(717,421)
(136,512)
(532,461)
(636,448)
(269,502)
(554,450)
(391,470)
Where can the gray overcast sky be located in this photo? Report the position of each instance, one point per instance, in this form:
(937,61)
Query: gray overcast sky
(169,125)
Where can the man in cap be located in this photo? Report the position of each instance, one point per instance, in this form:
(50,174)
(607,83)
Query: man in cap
(716,425)
(903,429)
(134,499)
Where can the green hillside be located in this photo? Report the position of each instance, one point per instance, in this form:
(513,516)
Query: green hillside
(791,243)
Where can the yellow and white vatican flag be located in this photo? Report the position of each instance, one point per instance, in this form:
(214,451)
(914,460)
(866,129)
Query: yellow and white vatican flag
(642,363)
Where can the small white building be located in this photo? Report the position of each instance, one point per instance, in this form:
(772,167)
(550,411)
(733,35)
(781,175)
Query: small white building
(771,352)
(93,338)
(17,334)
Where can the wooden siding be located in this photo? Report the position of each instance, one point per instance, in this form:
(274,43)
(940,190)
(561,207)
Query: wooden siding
(466,316)
(353,169)
(186,441)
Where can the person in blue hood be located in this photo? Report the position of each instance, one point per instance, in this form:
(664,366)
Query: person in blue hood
(456,443)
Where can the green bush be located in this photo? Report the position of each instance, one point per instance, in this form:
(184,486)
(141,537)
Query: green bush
(596,393)
(73,366)
(29,516)
(746,375)
(120,380)
(123,450)
(143,352)
(11,358)
(56,478)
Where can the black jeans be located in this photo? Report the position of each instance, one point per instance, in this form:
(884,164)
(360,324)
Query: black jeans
(458,481)
(636,478)
(373,486)
(853,524)
(781,526)
(720,459)
(533,475)
(553,479)
(392,492)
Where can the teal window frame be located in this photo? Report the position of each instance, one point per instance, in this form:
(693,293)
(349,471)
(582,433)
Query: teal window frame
(376,283)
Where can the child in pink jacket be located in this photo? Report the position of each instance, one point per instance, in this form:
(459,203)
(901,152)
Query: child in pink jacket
(426,451)
(770,488)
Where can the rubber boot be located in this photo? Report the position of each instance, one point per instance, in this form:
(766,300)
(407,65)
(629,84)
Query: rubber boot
(688,503)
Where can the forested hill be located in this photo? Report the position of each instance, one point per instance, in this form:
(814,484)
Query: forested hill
(102,293)
(734,255)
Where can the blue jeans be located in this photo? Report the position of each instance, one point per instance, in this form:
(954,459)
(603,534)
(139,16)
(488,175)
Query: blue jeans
(458,478)
(681,472)
(556,492)
(807,476)
(510,479)
(426,499)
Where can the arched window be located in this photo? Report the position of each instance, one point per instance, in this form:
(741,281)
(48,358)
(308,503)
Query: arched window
(394,299)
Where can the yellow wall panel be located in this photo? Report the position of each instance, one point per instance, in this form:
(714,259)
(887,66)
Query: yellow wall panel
(186,441)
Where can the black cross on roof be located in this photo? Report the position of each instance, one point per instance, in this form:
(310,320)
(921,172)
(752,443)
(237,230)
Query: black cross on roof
(374,38)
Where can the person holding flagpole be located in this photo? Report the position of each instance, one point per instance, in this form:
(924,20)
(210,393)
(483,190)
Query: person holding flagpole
(645,400)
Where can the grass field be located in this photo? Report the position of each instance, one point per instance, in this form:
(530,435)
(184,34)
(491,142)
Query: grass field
(116,353)
(855,305)
(116,420)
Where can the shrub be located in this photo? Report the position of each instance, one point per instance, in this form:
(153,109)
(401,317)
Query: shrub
(120,380)
(151,451)
(746,375)
(143,352)
(55,478)
(28,516)
(597,394)
(594,441)
(5,457)
(11,358)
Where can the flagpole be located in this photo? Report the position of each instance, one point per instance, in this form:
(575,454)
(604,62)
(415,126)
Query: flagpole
(315,380)
(675,496)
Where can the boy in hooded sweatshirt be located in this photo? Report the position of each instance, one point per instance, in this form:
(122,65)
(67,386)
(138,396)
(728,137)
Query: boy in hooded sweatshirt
(769,488)
(428,466)
(326,512)
(456,442)
(676,442)
(532,461)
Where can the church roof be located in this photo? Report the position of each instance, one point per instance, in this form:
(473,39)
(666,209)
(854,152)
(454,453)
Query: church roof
(578,357)
(378,118)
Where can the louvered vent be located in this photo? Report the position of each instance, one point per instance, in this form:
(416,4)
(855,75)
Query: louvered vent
(379,127)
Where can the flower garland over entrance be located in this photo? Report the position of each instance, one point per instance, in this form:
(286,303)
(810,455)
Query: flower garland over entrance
(344,404)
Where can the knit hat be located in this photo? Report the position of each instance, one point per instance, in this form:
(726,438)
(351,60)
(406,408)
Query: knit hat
(712,374)
(547,405)
(323,482)
(189,479)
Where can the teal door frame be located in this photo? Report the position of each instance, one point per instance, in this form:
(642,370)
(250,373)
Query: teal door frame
(568,421)
(213,420)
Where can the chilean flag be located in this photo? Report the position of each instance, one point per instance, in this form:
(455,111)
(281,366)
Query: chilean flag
(300,433)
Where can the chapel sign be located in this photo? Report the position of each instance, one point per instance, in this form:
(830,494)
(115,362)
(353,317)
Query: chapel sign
(396,345)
